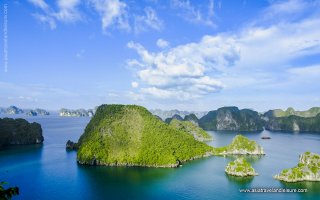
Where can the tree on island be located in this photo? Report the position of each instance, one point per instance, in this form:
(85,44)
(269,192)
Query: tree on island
(7,194)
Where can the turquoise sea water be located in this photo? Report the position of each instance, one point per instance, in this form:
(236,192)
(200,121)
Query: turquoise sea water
(48,171)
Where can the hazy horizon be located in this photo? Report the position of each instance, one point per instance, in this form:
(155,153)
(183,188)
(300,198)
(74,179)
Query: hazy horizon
(75,108)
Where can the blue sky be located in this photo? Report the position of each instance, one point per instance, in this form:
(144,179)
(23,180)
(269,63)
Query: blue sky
(169,54)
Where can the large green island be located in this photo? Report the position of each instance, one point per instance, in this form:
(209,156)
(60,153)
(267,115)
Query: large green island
(240,167)
(129,135)
(308,169)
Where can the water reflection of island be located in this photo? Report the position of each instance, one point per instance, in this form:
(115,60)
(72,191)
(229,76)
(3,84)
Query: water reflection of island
(311,186)
(240,181)
(249,158)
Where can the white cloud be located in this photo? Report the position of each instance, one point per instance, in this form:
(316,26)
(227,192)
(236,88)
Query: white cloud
(279,43)
(113,12)
(40,3)
(149,20)
(257,57)
(195,14)
(161,43)
(182,71)
(310,71)
(134,84)
(67,10)
(46,20)
(286,10)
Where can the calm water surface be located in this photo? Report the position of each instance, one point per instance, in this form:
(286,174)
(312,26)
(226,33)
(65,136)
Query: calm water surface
(48,171)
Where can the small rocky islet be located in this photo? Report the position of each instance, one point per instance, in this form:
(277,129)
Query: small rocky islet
(240,167)
(240,145)
(63,112)
(308,169)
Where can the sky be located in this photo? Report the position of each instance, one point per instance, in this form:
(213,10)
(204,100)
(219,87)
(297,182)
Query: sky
(168,54)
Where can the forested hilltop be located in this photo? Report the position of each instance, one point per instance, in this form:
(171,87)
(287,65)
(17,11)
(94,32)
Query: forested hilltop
(19,131)
(129,135)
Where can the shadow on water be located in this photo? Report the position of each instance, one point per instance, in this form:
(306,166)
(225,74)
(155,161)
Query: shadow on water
(135,181)
(20,149)
(20,154)
(240,181)
(19,163)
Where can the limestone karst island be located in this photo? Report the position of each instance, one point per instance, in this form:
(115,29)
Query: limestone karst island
(308,169)
(129,135)
(240,167)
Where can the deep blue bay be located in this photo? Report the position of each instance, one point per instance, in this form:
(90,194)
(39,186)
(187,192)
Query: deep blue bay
(48,171)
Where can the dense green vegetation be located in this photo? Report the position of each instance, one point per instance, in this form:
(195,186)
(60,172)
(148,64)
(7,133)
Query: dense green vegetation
(192,118)
(294,123)
(312,112)
(19,131)
(240,145)
(308,169)
(8,193)
(71,145)
(130,135)
(240,167)
(232,119)
(176,116)
(189,127)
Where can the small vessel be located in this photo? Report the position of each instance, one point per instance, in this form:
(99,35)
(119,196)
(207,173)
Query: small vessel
(265,137)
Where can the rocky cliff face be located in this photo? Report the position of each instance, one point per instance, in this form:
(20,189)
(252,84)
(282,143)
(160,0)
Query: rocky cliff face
(308,169)
(37,112)
(13,110)
(71,145)
(164,114)
(76,113)
(232,119)
(240,167)
(19,131)
(294,124)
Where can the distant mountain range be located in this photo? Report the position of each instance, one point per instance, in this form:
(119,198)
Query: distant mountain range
(233,119)
(76,113)
(222,119)
(164,114)
(11,110)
